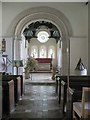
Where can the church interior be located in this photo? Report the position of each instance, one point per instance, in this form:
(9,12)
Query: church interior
(44,61)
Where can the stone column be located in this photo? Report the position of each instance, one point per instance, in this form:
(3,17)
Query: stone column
(16,51)
(68,56)
(59,55)
(64,55)
(17,48)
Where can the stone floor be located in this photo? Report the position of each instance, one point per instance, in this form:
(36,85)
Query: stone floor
(40,101)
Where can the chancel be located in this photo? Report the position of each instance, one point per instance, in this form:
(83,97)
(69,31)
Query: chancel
(46,46)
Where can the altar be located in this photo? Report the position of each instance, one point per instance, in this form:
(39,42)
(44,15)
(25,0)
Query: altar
(44,64)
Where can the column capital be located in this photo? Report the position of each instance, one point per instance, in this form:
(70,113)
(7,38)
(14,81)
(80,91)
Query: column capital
(18,38)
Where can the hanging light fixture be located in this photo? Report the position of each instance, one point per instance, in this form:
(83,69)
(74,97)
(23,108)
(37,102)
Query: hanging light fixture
(3,45)
(0,46)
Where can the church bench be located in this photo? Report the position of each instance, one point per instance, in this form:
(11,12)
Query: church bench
(74,85)
(8,103)
(0,101)
(22,81)
(75,96)
(73,78)
(63,97)
(58,79)
(17,85)
(82,109)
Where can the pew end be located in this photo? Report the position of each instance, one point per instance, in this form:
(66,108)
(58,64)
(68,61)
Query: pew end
(8,104)
(82,109)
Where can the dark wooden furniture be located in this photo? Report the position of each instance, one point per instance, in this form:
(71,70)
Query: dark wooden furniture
(17,85)
(63,98)
(1,101)
(58,79)
(82,109)
(76,82)
(73,78)
(8,104)
(75,93)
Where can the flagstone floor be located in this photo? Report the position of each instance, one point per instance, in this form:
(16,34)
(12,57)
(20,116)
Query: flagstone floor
(40,100)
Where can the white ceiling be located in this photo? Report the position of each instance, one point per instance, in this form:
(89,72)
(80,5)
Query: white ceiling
(44,0)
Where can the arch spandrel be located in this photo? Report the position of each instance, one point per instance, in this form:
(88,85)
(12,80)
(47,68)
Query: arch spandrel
(61,20)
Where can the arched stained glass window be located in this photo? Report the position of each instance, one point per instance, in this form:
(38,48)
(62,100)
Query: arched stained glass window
(42,52)
(51,52)
(34,51)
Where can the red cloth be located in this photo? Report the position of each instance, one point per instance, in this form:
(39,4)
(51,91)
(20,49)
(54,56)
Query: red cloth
(44,60)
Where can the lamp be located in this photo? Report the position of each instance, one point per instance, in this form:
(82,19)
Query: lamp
(3,45)
(17,64)
(0,47)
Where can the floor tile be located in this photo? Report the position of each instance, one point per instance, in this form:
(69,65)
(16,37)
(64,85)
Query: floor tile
(39,101)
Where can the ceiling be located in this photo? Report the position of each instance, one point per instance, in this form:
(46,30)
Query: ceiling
(44,1)
(32,29)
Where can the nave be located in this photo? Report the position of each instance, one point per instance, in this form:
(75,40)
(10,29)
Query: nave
(39,101)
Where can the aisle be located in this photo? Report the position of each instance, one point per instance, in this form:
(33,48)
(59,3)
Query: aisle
(40,78)
(40,101)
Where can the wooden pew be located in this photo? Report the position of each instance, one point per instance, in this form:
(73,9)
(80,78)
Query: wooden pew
(14,76)
(59,78)
(73,84)
(82,109)
(0,102)
(17,85)
(8,104)
(63,97)
(75,93)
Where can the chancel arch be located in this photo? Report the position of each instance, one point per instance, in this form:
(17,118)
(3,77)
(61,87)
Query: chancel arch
(47,14)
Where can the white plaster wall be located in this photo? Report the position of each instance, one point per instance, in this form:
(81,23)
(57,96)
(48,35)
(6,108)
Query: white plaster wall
(75,12)
(78,49)
(9,52)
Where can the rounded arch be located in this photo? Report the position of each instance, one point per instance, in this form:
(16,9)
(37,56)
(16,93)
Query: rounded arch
(47,14)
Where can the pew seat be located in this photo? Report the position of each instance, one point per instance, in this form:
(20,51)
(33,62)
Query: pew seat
(82,109)
(77,108)
(74,93)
